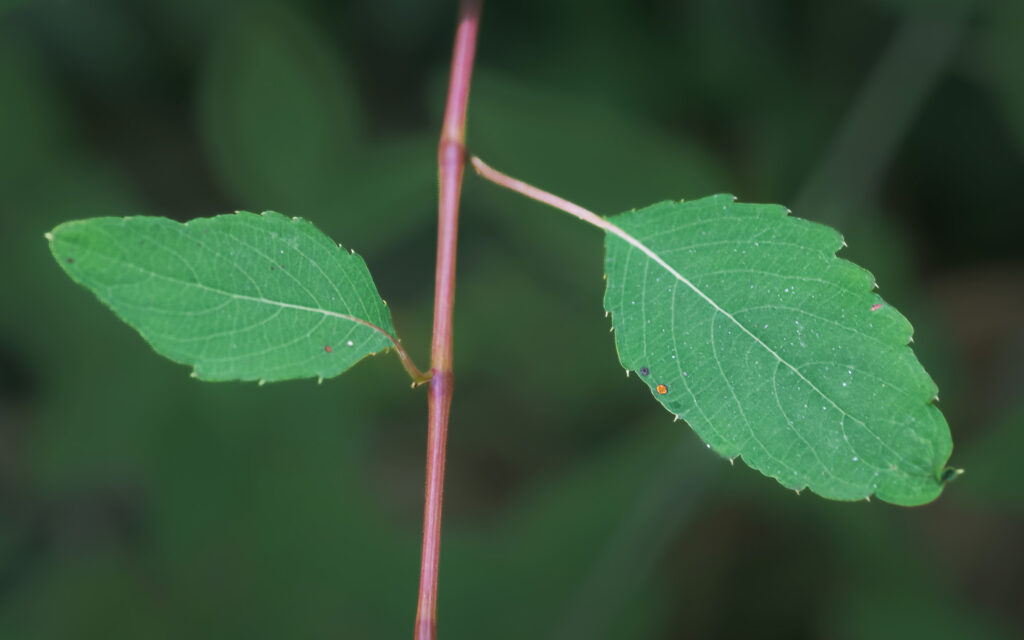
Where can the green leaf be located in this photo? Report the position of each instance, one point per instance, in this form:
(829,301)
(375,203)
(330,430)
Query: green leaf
(239,297)
(743,322)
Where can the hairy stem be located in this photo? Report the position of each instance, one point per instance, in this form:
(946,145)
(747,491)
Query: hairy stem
(451,158)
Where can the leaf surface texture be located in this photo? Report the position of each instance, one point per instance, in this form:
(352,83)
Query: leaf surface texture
(239,296)
(742,321)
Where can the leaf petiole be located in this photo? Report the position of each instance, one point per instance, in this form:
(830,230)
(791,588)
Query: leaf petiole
(503,180)
(418,377)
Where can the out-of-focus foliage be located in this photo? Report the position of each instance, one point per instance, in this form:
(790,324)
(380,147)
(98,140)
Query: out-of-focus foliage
(135,502)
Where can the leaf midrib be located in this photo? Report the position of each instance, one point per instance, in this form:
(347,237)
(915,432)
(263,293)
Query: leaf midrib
(242,296)
(650,253)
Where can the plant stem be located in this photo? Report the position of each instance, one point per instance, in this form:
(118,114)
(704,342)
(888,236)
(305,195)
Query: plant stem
(530,191)
(418,377)
(503,180)
(451,158)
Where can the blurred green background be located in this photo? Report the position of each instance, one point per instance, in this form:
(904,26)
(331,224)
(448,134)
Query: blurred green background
(138,503)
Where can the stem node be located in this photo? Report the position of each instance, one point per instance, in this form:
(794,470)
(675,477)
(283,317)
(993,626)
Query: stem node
(451,160)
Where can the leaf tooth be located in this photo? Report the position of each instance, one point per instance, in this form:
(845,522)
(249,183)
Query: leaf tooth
(48,236)
(261,382)
(319,379)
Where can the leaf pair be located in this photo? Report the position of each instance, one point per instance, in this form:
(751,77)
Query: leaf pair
(740,319)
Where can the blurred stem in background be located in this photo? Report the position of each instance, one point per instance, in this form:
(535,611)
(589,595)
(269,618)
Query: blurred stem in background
(849,176)
(847,180)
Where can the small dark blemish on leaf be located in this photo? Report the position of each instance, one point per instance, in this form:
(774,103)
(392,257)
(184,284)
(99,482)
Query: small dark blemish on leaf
(271,267)
(644,371)
(71,260)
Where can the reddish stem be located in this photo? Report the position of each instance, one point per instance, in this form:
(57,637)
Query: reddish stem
(451,157)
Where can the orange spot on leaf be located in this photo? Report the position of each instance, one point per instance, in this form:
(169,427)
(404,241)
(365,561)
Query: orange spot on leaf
(661,389)
(327,348)
(876,307)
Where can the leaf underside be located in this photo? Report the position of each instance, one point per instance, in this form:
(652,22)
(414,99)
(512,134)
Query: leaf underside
(743,322)
(238,296)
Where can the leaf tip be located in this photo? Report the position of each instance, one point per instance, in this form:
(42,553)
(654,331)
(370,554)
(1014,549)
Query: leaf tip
(950,474)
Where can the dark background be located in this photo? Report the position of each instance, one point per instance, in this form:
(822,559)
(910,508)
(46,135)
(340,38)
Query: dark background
(136,502)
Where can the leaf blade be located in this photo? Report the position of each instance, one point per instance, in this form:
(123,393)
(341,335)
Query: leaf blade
(750,328)
(239,296)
